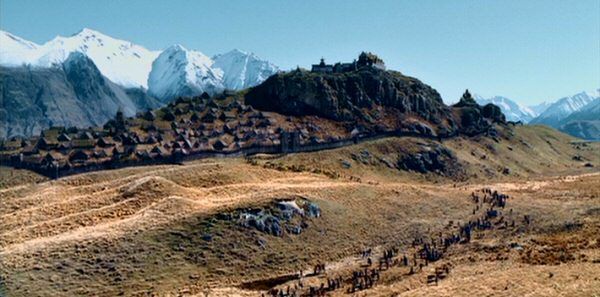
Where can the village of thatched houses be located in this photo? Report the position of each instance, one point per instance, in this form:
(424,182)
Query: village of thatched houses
(186,128)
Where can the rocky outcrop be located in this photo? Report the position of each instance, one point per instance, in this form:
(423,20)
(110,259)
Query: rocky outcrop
(474,118)
(286,216)
(346,96)
(363,95)
(433,158)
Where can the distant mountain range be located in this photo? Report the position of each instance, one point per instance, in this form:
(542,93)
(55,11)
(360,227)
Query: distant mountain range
(539,108)
(511,109)
(562,108)
(121,61)
(73,93)
(130,65)
(40,86)
(578,115)
(584,123)
(139,78)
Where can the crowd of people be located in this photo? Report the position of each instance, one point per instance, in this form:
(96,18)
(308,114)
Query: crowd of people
(424,252)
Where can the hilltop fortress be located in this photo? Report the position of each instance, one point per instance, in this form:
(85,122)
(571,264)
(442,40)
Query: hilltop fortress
(296,111)
(365,59)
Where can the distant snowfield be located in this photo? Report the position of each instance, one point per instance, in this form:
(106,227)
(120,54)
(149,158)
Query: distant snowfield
(549,113)
(121,61)
(564,107)
(178,70)
(511,109)
(130,65)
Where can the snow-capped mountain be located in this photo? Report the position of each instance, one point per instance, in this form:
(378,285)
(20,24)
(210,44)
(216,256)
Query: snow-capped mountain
(73,93)
(242,70)
(563,107)
(123,62)
(539,108)
(15,51)
(584,123)
(181,72)
(511,109)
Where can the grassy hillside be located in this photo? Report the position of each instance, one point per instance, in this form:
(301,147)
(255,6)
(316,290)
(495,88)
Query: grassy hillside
(527,152)
(176,229)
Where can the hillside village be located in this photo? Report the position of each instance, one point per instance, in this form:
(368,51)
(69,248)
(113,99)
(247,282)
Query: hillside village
(228,125)
(187,127)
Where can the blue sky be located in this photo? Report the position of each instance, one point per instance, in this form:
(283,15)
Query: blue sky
(529,51)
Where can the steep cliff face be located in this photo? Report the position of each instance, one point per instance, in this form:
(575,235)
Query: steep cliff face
(360,94)
(341,96)
(71,94)
(31,99)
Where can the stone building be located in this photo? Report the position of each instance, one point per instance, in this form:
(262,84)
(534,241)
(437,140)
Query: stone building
(322,67)
(365,59)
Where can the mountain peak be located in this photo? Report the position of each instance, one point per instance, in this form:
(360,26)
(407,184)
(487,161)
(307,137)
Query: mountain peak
(9,37)
(175,48)
(16,51)
(511,109)
(87,32)
(178,71)
(86,35)
(130,65)
(123,62)
(238,52)
(242,69)
(562,108)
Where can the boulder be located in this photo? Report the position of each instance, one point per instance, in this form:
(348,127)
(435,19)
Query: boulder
(433,158)
(312,210)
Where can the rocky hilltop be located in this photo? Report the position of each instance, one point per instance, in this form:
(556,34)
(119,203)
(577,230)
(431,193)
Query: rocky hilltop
(366,94)
(344,96)
(474,118)
(290,112)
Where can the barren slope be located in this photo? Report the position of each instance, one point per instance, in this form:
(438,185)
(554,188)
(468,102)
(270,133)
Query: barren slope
(172,229)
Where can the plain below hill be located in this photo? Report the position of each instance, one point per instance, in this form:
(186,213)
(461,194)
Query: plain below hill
(179,229)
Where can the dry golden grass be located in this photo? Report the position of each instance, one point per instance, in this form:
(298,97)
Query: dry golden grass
(10,177)
(141,231)
(527,151)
